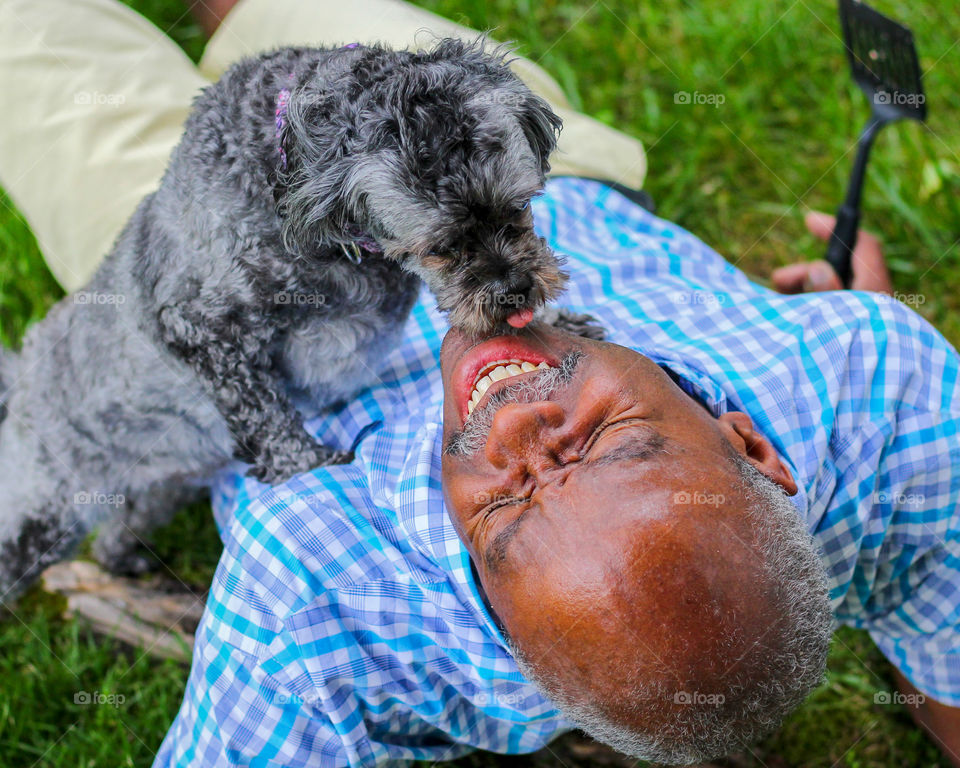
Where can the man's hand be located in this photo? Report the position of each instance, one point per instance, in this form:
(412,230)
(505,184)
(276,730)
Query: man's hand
(869,269)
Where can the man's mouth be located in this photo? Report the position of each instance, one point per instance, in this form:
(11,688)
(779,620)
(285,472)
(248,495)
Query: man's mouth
(487,367)
(500,370)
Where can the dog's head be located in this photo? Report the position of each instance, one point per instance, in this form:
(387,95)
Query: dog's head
(434,156)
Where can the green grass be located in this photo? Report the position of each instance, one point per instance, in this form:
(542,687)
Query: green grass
(738,175)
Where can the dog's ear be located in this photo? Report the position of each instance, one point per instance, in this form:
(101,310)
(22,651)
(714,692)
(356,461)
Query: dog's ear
(313,204)
(541,127)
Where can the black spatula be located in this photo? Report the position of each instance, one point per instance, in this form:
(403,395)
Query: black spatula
(884,61)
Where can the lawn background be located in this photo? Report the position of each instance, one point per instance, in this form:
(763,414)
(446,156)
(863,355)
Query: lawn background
(739,175)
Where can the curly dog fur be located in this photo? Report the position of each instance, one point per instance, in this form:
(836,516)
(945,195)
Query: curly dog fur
(270,272)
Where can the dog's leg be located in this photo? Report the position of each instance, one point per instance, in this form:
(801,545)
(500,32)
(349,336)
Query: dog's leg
(121,541)
(239,376)
(43,517)
(576,323)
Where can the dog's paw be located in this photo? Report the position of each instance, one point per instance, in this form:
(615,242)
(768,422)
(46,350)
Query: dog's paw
(119,550)
(337,457)
(577,323)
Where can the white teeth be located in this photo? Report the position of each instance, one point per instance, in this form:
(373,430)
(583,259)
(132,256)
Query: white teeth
(497,371)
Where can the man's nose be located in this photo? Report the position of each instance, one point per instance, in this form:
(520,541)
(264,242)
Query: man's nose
(527,433)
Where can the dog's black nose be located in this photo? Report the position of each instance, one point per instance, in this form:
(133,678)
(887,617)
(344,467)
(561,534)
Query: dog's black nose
(520,285)
(513,292)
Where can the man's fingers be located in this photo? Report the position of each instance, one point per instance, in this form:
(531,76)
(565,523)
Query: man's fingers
(869,268)
(790,279)
(820,224)
(821,227)
(805,277)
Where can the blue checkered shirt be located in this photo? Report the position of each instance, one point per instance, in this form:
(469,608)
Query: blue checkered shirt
(344,627)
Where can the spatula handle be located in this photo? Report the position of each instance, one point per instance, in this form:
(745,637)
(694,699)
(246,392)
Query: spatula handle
(843,240)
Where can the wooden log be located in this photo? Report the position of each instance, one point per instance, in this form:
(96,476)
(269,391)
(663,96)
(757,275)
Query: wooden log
(144,614)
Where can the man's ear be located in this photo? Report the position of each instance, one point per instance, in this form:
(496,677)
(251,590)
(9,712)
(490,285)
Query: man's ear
(756,449)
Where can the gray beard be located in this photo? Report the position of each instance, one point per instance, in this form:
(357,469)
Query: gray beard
(532,389)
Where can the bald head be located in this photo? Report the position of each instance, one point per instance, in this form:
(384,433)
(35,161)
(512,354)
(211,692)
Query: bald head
(696,639)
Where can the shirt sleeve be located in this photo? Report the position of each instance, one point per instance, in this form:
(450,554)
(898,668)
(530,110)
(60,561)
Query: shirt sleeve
(891,534)
(241,710)
(914,605)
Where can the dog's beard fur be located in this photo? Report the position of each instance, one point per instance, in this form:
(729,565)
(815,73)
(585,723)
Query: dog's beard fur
(480,285)
(436,156)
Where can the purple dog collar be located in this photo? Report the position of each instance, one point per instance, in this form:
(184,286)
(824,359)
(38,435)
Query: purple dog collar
(361,240)
(283,100)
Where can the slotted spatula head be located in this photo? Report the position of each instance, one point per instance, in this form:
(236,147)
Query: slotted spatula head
(884,61)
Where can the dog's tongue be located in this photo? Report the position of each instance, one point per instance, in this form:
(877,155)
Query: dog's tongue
(520,318)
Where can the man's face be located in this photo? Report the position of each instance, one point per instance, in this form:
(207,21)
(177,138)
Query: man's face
(609,471)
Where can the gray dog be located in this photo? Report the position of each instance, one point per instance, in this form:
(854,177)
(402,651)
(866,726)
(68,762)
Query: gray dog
(275,265)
